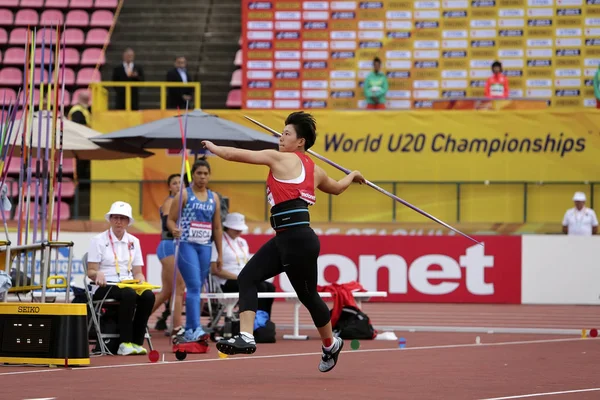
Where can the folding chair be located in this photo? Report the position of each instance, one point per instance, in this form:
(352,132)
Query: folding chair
(95,308)
(217,309)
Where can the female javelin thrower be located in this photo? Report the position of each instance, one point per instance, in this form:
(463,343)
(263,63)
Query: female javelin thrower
(166,255)
(200,222)
(295,248)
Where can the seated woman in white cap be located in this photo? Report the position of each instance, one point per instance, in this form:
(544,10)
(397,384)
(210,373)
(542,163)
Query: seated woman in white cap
(115,256)
(580,220)
(235,255)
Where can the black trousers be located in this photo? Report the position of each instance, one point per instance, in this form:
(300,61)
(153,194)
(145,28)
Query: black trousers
(294,251)
(232,286)
(133,311)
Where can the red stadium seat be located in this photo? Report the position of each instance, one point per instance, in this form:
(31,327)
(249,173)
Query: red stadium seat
(92,56)
(57,3)
(26,18)
(106,3)
(238,58)
(73,37)
(96,37)
(9,3)
(77,18)
(11,76)
(102,18)
(14,56)
(85,76)
(71,56)
(18,36)
(32,3)
(82,3)
(234,98)
(236,78)
(48,35)
(6,17)
(7,96)
(52,17)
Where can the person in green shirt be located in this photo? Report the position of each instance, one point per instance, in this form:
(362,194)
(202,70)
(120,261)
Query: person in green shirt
(376,87)
(597,86)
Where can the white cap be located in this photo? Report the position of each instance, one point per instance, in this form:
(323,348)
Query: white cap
(579,196)
(235,221)
(6,205)
(120,208)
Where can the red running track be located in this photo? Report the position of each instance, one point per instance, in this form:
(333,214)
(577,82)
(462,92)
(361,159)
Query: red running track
(433,366)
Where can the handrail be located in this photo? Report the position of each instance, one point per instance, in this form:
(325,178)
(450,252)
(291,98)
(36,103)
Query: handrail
(100,93)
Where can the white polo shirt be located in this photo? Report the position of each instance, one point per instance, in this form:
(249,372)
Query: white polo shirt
(236,254)
(127,250)
(580,223)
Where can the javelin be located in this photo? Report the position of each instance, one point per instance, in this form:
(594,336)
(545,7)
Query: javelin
(393,196)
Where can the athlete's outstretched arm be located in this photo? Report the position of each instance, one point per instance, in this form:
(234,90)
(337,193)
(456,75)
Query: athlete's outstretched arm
(262,157)
(331,186)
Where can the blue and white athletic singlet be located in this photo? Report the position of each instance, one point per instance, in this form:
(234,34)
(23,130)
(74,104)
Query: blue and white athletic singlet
(196,219)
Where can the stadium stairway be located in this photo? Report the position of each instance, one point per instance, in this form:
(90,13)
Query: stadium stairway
(205,32)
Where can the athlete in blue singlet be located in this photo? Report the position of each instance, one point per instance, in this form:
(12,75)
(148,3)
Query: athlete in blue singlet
(166,255)
(200,223)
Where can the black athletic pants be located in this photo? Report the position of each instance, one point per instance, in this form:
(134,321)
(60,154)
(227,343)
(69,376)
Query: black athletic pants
(295,252)
(134,311)
(232,286)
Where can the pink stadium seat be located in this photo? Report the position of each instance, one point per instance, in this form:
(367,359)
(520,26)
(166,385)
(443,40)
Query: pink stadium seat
(15,164)
(73,37)
(26,18)
(7,96)
(32,3)
(85,76)
(36,97)
(18,36)
(9,3)
(11,76)
(65,210)
(92,56)
(48,56)
(102,18)
(234,98)
(96,37)
(37,75)
(51,17)
(6,17)
(71,56)
(57,3)
(14,56)
(69,77)
(238,58)
(236,78)
(76,94)
(48,35)
(82,3)
(106,3)
(3,36)
(78,18)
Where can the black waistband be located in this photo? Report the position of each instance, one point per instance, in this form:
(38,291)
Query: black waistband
(165,234)
(290,219)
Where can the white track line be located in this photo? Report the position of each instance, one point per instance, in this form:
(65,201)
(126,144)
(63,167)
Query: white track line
(523,396)
(448,346)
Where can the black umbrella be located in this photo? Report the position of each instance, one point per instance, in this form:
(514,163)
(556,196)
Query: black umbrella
(166,134)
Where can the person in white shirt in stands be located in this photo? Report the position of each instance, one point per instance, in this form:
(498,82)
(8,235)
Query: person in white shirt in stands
(115,256)
(580,220)
(235,255)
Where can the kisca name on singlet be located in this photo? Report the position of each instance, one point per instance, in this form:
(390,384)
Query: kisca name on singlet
(449,143)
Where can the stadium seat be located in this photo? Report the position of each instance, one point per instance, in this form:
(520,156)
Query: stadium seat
(236,78)
(85,76)
(48,35)
(26,18)
(238,58)
(73,37)
(96,37)
(69,77)
(106,3)
(102,18)
(19,114)
(82,3)
(37,75)
(3,36)
(7,96)
(18,36)
(57,3)
(65,211)
(36,97)
(11,76)
(9,3)
(6,17)
(76,94)
(14,56)
(32,3)
(77,18)
(234,98)
(52,17)
(71,56)
(48,56)
(92,56)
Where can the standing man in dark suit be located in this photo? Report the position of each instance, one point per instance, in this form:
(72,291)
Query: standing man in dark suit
(177,96)
(128,71)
